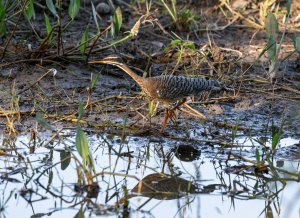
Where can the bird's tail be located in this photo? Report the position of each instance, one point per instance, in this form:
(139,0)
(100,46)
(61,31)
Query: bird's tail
(217,86)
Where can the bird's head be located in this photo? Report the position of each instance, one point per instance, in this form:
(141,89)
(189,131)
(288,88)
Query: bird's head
(112,60)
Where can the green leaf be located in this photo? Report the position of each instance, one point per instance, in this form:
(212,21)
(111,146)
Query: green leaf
(288,6)
(80,111)
(82,145)
(84,39)
(257,155)
(275,139)
(189,44)
(80,214)
(297,43)
(51,7)
(29,10)
(2,20)
(272,26)
(94,80)
(74,7)
(65,159)
(272,48)
(95,17)
(41,121)
(48,28)
(2,12)
(117,22)
(172,44)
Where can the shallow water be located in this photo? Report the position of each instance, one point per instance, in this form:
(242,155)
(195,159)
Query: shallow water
(219,186)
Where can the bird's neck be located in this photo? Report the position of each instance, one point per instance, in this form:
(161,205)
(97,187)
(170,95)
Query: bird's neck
(138,79)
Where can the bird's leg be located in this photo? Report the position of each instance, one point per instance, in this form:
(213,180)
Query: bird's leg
(167,116)
(179,104)
(171,111)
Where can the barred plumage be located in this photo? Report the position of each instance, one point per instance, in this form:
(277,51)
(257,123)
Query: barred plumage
(173,88)
(166,89)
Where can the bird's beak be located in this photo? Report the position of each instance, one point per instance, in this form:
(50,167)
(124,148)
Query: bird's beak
(105,60)
(97,62)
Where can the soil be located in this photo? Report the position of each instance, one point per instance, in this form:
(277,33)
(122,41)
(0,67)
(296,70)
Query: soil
(227,53)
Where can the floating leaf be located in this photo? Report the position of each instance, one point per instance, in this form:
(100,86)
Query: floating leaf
(65,159)
(48,28)
(83,40)
(279,163)
(29,10)
(74,7)
(51,7)
(297,43)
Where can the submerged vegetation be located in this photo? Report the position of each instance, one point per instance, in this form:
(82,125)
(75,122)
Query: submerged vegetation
(80,140)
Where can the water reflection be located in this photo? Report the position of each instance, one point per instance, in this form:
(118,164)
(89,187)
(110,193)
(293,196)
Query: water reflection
(147,177)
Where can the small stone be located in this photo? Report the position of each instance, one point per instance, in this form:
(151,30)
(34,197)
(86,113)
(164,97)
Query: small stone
(103,8)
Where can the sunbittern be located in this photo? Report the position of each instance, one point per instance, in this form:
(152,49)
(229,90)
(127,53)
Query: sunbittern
(168,88)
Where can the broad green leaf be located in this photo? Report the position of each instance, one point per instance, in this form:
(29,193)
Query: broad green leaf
(117,22)
(48,28)
(272,48)
(74,7)
(51,7)
(297,43)
(83,40)
(271,26)
(65,159)
(95,17)
(288,6)
(29,10)
(82,145)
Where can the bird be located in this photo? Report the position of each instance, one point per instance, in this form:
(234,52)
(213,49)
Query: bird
(167,89)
